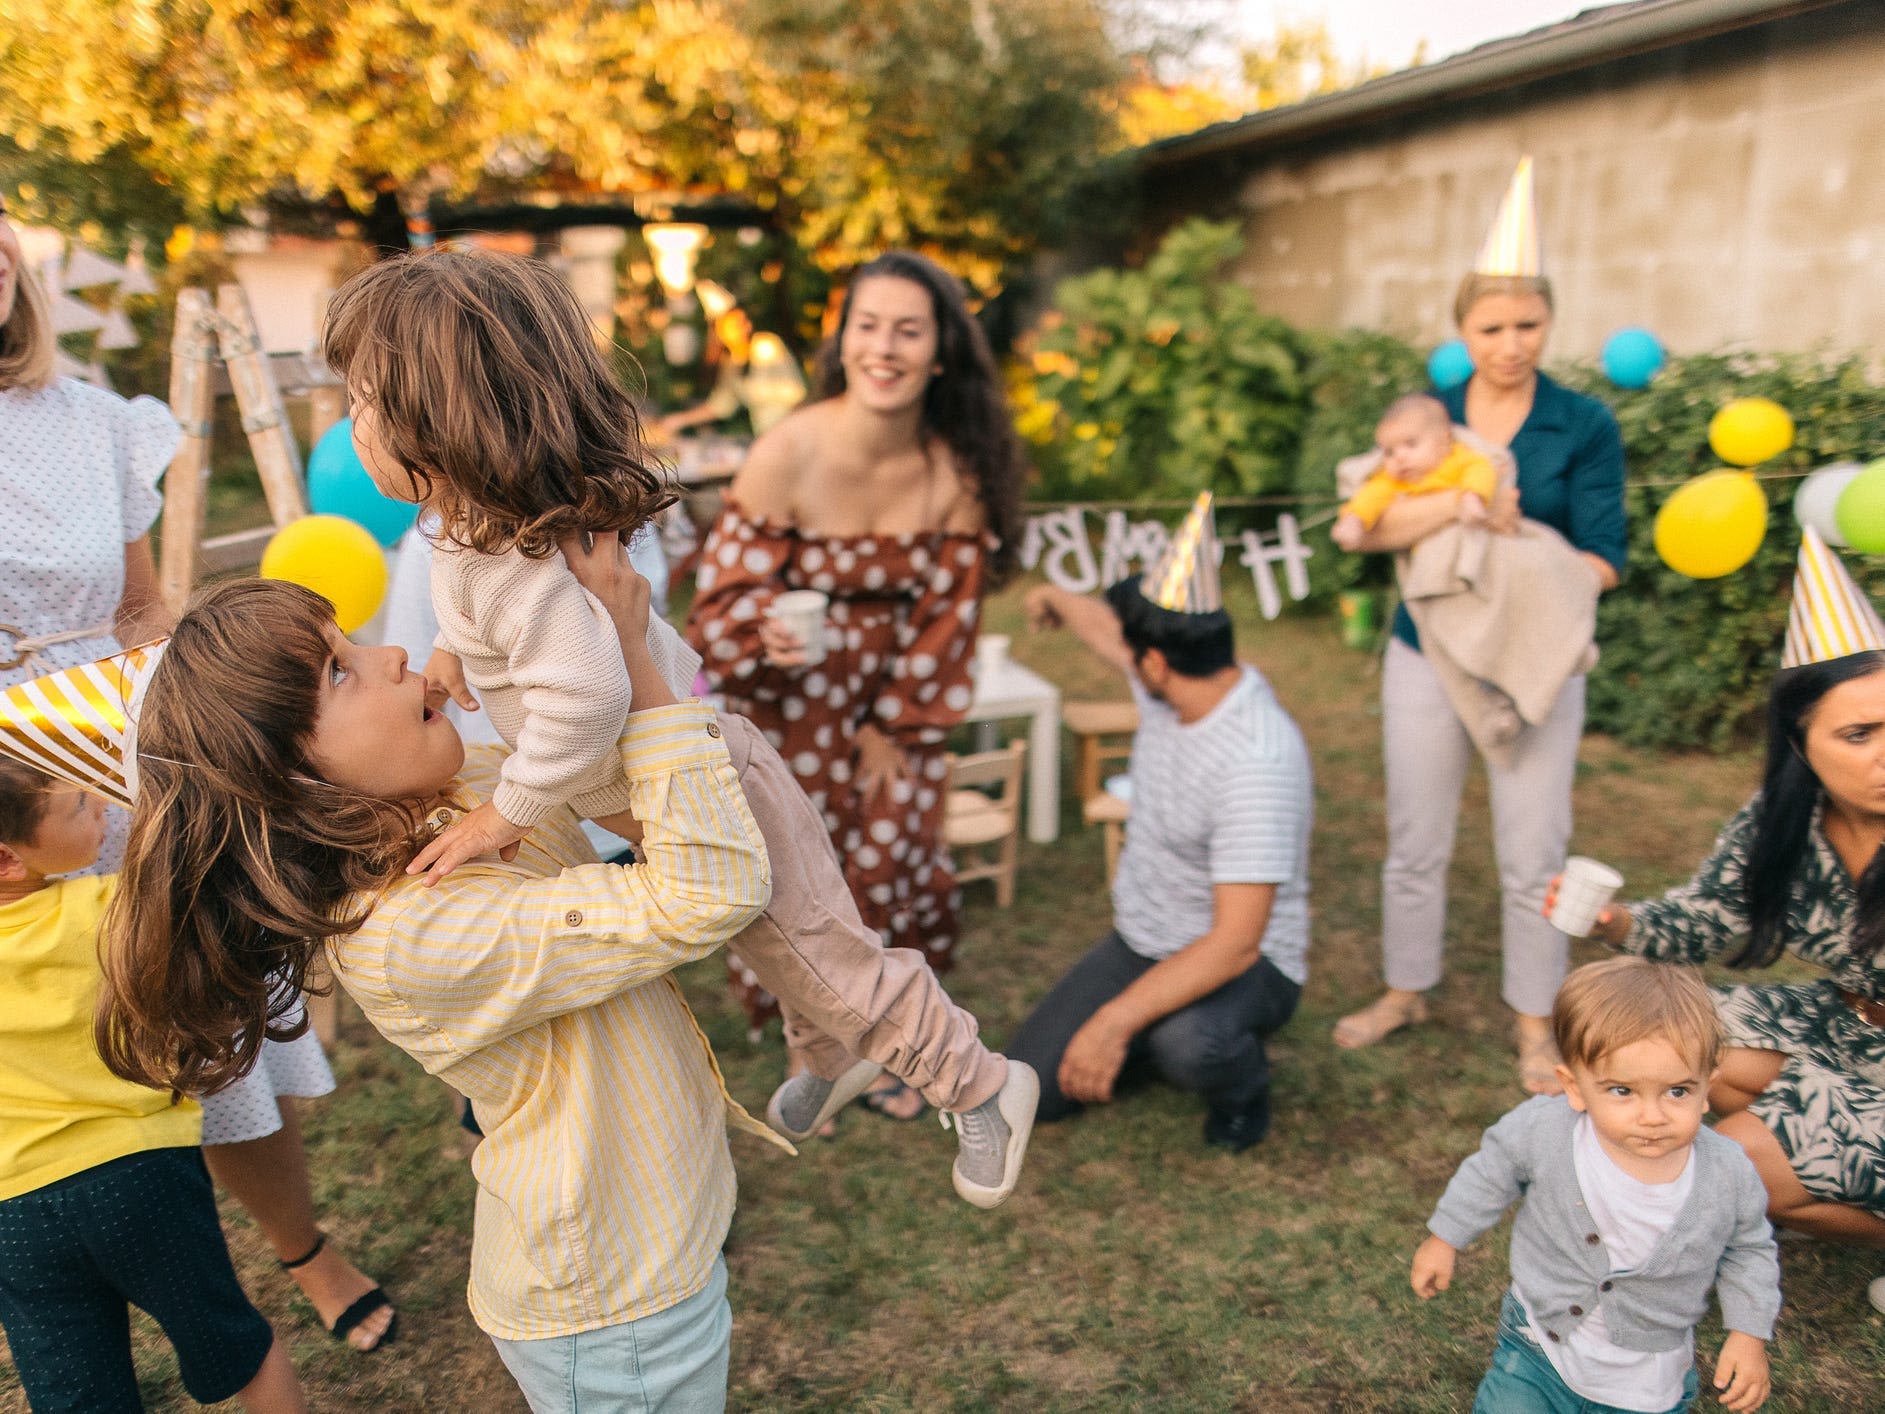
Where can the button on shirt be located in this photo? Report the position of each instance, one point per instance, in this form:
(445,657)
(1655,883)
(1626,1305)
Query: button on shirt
(543,990)
(1631,1217)
(1224,800)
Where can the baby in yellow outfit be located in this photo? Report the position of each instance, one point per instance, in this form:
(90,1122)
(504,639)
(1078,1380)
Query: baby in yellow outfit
(1418,457)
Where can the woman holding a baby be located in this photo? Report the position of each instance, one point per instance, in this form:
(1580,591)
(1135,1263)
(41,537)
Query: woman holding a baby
(1569,456)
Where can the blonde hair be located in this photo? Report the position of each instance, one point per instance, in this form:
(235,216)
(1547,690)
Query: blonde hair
(26,341)
(1607,1005)
(1476,287)
(240,863)
(485,383)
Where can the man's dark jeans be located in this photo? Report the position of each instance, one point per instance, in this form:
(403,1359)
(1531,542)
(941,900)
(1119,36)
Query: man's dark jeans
(1214,1047)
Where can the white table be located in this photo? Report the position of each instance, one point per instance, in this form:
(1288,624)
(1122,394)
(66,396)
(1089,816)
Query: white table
(1010,690)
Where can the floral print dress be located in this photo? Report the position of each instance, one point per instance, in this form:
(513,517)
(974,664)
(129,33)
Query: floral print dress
(1827,1107)
(903,618)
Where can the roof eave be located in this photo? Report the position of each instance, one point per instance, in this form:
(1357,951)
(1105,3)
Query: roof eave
(1497,65)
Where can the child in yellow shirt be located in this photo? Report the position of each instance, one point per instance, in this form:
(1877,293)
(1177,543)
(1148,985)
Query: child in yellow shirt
(1418,457)
(104,1199)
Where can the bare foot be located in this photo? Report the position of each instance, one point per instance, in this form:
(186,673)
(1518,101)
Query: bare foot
(332,1284)
(1386,1014)
(1538,1056)
(891,1098)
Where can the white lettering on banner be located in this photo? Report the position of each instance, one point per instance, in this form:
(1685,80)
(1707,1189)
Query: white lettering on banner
(1124,543)
(1058,542)
(1290,552)
(1063,536)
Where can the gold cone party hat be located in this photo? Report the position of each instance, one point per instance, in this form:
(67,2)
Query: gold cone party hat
(1185,578)
(79,724)
(1511,246)
(1830,617)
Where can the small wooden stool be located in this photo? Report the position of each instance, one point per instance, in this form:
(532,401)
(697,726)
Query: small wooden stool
(1109,810)
(1091,724)
(986,828)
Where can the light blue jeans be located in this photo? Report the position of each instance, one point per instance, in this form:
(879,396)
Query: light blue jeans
(673,1362)
(1523,1380)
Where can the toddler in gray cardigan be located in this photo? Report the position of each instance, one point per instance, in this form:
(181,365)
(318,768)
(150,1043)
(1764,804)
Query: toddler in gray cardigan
(1630,1212)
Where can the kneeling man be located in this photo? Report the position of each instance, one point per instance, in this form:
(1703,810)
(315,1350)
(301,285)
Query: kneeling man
(1211,901)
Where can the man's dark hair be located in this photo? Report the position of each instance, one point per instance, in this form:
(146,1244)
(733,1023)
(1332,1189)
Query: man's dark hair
(1194,645)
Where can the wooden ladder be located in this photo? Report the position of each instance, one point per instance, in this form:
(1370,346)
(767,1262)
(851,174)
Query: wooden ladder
(216,350)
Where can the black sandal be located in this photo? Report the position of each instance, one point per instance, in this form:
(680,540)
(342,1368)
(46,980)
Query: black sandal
(878,1102)
(349,1320)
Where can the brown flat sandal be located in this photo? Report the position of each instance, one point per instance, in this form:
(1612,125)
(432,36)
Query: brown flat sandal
(1381,1017)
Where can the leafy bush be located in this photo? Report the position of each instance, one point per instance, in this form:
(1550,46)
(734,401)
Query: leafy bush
(1154,384)
(1686,663)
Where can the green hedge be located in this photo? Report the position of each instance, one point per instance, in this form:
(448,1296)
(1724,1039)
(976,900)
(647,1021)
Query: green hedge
(1156,383)
(1687,662)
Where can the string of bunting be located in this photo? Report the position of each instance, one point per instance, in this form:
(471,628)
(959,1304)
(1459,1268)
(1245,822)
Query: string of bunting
(1059,541)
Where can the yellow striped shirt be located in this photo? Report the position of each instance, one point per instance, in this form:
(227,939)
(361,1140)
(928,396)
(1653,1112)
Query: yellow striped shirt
(541,989)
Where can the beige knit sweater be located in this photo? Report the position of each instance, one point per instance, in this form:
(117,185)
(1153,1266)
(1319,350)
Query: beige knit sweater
(541,653)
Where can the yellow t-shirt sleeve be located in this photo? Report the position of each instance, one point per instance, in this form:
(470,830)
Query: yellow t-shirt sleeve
(1377,493)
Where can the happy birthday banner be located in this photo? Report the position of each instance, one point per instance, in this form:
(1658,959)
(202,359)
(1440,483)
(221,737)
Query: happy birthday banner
(1060,543)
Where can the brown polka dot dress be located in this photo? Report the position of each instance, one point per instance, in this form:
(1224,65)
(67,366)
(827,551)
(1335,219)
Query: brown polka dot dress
(903,619)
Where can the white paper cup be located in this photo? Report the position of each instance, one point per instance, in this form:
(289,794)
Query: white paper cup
(803,612)
(991,651)
(1583,890)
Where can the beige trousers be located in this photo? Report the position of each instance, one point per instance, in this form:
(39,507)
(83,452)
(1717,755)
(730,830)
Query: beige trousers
(843,994)
(1427,753)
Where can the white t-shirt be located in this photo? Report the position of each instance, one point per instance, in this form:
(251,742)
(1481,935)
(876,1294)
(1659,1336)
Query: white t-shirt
(1223,800)
(1631,1217)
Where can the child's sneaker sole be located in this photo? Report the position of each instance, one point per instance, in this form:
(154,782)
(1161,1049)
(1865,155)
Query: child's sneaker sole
(1019,1096)
(844,1089)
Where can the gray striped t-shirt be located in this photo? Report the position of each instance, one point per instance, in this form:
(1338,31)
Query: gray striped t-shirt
(1225,800)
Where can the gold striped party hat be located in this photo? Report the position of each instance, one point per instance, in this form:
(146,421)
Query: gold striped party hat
(1185,578)
(1511,245)
(1830,617)
(80,724)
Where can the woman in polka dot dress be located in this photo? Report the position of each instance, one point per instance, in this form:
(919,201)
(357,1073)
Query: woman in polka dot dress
(79,468)
(896,492)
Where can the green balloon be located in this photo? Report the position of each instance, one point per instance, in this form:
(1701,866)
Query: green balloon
(1860,513)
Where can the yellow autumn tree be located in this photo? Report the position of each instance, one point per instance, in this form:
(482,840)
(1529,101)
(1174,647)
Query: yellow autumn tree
(959,126)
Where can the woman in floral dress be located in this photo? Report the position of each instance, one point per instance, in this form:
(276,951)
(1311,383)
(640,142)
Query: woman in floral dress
(1799,871)
(896,492)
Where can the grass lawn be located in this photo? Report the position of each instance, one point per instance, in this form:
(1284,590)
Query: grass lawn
(1135,1269)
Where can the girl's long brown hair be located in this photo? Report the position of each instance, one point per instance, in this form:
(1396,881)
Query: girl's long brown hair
(965,404)
(240,863)
(485,382)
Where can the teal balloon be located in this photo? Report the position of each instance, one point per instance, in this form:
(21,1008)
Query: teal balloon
(1631,357)
(1860,513)
(338,485)
(1450,365)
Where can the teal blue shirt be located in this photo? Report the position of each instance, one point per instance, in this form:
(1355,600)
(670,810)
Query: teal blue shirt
(1570,474)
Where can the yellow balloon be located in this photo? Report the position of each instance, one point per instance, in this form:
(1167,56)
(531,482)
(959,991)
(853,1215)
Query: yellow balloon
(1713,525)
(334,557)
(1750,430)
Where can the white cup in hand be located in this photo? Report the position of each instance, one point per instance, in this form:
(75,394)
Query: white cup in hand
(802,612)
(991,651)
(1584,889)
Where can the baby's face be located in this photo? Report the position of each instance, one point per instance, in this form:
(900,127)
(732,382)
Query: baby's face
(1646,1100)
(1413,445)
